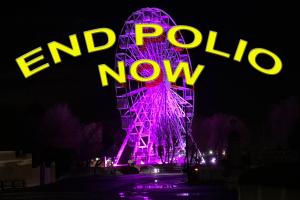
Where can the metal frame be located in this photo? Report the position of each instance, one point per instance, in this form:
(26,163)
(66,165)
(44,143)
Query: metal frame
(157,115)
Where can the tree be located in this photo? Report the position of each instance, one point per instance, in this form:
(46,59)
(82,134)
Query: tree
(91,141)
(282,123)
(213,132)
(59,138)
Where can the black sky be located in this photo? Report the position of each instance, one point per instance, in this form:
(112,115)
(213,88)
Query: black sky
(225,86)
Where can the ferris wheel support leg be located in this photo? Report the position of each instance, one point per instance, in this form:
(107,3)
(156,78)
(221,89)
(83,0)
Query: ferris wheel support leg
(149,152)
(121,149)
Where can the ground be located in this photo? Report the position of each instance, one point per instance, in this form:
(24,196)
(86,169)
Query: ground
(139,186)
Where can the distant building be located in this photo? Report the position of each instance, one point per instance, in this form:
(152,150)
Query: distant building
(17,171)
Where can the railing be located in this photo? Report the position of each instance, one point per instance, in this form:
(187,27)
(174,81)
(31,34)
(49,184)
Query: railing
(12,184)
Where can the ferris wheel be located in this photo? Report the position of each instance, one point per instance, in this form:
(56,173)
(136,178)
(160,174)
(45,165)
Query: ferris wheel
(156,115)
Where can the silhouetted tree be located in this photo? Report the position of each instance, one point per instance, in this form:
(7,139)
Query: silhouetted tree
(59,138)
(60,128)
(91,141)
(282,123)
(213,132)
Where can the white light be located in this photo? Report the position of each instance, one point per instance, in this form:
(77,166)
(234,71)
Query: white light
(155,180)
(224,153)
(210,152)
(203,162)
(97,159)
(213,160)
(155,170)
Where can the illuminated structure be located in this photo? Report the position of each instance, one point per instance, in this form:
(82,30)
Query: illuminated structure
(156,115)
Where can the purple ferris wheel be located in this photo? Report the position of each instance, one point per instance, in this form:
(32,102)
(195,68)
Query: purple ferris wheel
(156,115)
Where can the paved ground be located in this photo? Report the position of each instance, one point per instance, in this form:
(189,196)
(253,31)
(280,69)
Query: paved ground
(145,187)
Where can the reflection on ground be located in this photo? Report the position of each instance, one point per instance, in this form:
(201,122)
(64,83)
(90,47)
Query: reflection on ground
(132,187)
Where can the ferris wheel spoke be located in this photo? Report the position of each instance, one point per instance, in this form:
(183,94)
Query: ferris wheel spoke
(157,113)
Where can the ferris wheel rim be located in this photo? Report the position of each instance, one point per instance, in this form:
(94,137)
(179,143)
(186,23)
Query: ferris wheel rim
(129,89)
(172,20)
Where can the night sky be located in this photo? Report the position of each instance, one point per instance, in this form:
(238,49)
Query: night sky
(225,86)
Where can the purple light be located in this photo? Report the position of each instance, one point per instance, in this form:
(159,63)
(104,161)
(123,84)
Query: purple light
(121,194)
(156,115)
(183,194)
(157,186)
